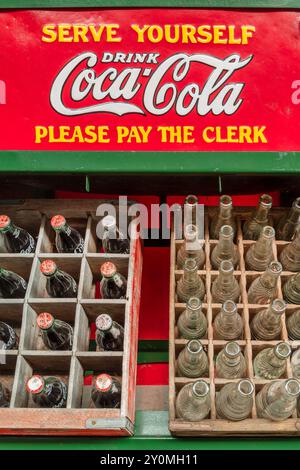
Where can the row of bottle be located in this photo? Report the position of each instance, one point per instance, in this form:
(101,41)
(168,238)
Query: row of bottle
(60,284)
(57,335)
(276,401)
(67,239)
(51,392)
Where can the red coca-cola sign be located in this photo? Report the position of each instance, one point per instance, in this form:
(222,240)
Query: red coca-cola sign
(150,79)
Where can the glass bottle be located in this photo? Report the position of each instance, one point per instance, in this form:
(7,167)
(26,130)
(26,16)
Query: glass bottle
(291,289)
(225,249)
(67,239)
(4,396)
(295,363)
(12,286)
(225,286)
(113,241)
(47,392)
(193,401)
(16,239)
(278,400)
(228,324)
(259,255)
(266,325)
(264,288)
(293,325)
(57,335)
(192,361)
(109,334)
(190,210)
(289,222)
(270,363)
(224,217)
(259,219)
(192,323)
(106,392)
(8,337)
(190,284)
(230,362)
(290,255)
(59,284)
(113,284)
(191,248)
(234,401)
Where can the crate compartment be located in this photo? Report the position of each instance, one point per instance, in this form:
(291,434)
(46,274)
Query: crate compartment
(48,234)
(179,308)
(19,264)
(12,314)
(180,344)
(8,361)
(28,220)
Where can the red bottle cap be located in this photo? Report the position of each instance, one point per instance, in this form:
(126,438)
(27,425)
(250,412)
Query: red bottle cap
(104,322)
(45,320)
(4,221)
(48,267)
(103,382)
(108,269)
(58,221)
(35,384)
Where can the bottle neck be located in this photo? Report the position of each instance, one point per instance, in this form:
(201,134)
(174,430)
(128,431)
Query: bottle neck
(192,315)
(269,278)
(294,215)
(261,214)
(225,211)
(190,275)
(231,361)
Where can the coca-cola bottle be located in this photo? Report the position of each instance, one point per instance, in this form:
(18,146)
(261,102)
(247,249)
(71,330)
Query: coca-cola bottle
(12,286)
(59,284)
(47,392)
(113,285)
(113,241)
(16,239)
(67,239)
(4,396)
(8,337)
(106,392)
(109,334)
(57,335)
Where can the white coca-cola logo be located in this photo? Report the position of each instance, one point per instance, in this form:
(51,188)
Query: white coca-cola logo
(159,95)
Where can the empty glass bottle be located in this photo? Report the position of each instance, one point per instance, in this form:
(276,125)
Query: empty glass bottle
(47,392)
(235,400)
(230,362)
(259,219)
(293,325)
(192,323)
(114,241)
(191,248)
(291,289)
(59,284)
(4,396)
(259,255)
(266,325)
(109,334)
(67,239)
(8,337)
(295,363)
(290,255)
(106,392)
(278,400)
(193,401)
(224,217)
(228,324)
(192,361)
(289,223)
(264,288)
(225,286)
(57,335)
(225,249)
(190,284)
(270,363)
(113,284)
(12,286)
(190,210)
(16,239)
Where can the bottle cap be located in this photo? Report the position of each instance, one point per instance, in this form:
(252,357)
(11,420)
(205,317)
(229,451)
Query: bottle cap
(191,200)
(48,267)
(103,382)
(109,222)
(45,320)
(225,200)
(4,221)
(57,222)
(266,200)
(104,322)
(108,269)
(35,384)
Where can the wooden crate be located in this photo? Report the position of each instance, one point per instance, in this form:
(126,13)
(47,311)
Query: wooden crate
(213,425)
(79,417)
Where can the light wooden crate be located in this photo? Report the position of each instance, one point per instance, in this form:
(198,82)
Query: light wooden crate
(79,417)
(212,425)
